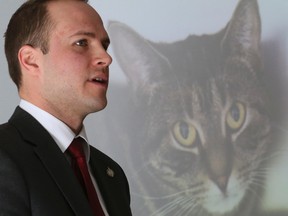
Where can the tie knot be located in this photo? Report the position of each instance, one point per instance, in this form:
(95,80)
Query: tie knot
(76,148)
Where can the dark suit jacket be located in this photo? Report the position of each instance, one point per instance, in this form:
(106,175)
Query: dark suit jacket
(36,178)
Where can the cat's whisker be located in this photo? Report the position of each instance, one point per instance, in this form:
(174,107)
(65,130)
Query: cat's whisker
(260,172)
(189,212)
(281,128)
(265,169)
(186,207)
(256,180)
(264,159)
(280,152)
(254,192)
(168,207)
(263,173)
(192,208)
(178,194)
(181,205)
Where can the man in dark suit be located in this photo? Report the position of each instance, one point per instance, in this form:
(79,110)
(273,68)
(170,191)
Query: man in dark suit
(57,57)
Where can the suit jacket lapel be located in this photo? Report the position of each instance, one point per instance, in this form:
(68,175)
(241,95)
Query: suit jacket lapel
(53,160)
(109,180)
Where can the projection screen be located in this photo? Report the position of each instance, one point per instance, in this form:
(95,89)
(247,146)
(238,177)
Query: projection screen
(197,104)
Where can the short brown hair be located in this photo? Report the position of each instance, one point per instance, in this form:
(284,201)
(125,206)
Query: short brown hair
(29,25)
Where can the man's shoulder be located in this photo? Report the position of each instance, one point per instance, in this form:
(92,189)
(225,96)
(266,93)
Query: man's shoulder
(7,131)
(96,153)
(101,156)
(8,128)
(10,138)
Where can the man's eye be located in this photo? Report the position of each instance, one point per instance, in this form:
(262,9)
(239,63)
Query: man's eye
(83,43)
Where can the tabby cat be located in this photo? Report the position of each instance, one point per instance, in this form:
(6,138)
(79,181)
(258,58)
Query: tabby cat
(193,120)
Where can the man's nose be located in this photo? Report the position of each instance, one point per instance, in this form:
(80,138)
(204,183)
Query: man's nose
(102,59)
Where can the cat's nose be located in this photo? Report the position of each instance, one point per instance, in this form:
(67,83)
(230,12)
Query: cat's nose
(219,164)
(222,182)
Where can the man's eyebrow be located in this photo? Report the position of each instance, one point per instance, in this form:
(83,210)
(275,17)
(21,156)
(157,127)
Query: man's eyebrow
(90,34)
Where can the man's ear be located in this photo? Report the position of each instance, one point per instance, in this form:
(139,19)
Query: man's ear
(28,57)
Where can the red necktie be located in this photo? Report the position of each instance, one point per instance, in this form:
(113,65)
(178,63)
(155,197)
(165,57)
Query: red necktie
(79,165)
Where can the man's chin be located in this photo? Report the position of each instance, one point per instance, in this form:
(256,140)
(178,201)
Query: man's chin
(100,105)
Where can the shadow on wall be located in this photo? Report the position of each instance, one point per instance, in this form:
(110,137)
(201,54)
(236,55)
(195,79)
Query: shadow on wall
(199,124)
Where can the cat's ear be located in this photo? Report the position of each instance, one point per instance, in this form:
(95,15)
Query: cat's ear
(136,56)
(242,36)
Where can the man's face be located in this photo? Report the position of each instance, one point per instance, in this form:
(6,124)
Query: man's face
(75,71)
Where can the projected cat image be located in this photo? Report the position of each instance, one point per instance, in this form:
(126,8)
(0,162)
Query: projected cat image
(193,119)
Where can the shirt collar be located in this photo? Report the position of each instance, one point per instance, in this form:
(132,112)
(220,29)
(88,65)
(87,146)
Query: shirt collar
(59,131)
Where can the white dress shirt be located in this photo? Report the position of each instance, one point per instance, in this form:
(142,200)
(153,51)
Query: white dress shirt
(62,135)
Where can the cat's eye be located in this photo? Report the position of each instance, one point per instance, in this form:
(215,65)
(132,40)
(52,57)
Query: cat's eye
(185,134)
(236,116)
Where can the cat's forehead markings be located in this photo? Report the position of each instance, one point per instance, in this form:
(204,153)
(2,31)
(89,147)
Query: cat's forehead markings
(195,102)
(216,94)
(201,136)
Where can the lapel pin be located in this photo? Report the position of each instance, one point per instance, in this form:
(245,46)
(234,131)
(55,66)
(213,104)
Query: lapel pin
(110,172)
